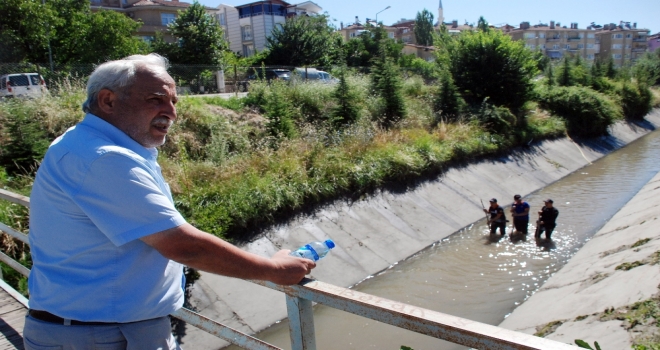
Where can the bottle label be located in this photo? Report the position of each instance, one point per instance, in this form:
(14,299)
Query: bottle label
(307,252)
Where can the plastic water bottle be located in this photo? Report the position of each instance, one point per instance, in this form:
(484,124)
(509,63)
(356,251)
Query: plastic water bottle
(315,250)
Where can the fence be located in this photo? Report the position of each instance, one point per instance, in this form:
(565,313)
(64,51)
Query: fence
(299,299)
(190,79)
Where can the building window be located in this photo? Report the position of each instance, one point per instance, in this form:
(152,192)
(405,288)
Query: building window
(590,56)
(590,46)
(542,35)
(580,46)
(628,46)
(591,36)
(248,50)
(246,32)
(147,38)
(617,36)
(353,35)
(617,46)
(628,36)
(627,56)
(530,46)
(555,46)
(167,18)
(567,47)
(222,18)
(530,35)
(542,46)
(390,35)
(616,56)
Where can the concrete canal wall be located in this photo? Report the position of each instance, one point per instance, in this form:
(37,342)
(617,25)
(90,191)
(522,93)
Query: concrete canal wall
(380,230)
(579,293)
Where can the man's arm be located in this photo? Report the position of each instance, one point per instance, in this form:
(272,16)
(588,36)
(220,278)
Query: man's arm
(200,250)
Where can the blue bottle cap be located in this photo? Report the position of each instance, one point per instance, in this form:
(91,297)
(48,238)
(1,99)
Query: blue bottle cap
(330,243)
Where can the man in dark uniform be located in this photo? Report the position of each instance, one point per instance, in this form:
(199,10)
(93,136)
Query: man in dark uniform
(497,218)
(520,214)
(547,217)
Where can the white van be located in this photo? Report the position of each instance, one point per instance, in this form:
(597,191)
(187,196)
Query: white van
(22,85)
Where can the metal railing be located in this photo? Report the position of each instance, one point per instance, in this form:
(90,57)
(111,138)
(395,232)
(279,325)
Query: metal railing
(299,301)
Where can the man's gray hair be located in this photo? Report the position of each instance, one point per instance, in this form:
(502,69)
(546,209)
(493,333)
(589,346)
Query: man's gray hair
(119,74)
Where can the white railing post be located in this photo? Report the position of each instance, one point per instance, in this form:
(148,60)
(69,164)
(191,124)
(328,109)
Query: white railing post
(301,323)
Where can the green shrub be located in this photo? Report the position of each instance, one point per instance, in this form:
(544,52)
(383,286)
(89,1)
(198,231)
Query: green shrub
(587,112)
(278,113)
(24,138)
(492,65)
(387,84)
(635,100)
(495,119)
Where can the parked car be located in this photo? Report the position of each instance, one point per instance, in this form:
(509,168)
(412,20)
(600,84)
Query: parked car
(313,74)
(265,73)
(22,85)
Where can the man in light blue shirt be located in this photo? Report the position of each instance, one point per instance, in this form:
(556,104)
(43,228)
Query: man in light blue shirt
(107,243)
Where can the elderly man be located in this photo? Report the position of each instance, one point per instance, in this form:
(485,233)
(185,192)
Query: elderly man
(107,242)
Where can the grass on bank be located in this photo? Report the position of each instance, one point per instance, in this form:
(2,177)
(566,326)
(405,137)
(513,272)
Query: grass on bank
(230,176)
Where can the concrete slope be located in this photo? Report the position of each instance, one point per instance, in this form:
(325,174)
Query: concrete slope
(590,283)
(385,228)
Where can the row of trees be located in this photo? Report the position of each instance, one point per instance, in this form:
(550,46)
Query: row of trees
(68,32)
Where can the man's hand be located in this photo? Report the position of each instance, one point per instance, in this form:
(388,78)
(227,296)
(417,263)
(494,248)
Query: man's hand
(486,211)
(290,269)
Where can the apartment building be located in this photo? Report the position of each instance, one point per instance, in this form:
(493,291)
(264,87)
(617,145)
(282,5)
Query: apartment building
(154,14)
(624,43)
(356,28)
(247,26)
(556,41)
(653,42)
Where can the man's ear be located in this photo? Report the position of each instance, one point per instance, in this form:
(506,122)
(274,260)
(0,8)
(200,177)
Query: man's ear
(106,101)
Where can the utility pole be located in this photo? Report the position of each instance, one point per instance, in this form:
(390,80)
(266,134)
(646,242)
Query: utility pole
(380,12)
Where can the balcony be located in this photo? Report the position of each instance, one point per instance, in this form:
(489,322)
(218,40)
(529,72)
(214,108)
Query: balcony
(553,39)
(639,39)
(574,38)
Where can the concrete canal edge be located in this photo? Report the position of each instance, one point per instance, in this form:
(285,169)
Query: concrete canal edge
(580,300)
(378,231)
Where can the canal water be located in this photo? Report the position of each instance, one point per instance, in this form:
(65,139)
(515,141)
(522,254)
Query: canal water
(471,275)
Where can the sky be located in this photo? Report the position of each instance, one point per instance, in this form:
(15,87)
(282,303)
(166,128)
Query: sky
(497,12)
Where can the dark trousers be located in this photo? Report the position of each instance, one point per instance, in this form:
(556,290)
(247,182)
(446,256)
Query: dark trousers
(548,228)
(495,225)
(521,225)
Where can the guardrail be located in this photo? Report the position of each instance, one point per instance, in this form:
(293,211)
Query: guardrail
(300,299)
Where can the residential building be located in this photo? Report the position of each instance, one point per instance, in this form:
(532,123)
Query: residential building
(354,30)
(653,42)
(623,43)
(154,14)
(405,31)
(556,41)
(247,26)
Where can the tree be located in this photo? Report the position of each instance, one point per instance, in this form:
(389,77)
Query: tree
(448,103)
(424,28)
(482,25)
(386,82)
(565,77)
(491,65)
(74,33)
(347,110)
(22,39)
(200,39)
(303,41)
(360,52)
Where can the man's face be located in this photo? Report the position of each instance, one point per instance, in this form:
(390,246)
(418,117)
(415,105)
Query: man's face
(146,110)
(493,205)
